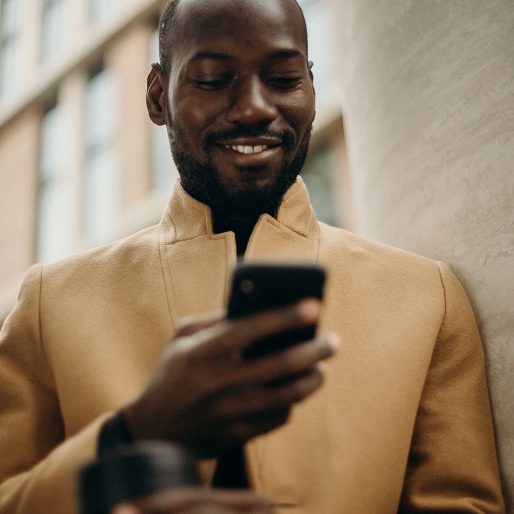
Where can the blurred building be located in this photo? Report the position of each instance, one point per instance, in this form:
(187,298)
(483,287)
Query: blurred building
(80,163)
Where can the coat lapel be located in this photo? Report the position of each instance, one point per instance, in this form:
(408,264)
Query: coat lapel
(196,264)
(197,274)
(292,236)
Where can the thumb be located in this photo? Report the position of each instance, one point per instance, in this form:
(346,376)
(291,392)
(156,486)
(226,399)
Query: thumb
(191,324)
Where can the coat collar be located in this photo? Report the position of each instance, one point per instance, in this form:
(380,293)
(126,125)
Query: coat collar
(198,264)
(186,218)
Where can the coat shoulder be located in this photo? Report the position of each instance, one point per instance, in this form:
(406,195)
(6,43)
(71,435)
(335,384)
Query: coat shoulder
(118,260)
(383,271)
(340,242)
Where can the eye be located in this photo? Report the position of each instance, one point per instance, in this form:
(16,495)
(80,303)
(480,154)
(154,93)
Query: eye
(211,84)
(285,81)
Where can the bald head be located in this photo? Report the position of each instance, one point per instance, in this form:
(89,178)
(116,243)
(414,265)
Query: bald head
(179,14)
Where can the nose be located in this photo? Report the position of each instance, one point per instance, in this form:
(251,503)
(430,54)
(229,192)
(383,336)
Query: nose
(251,103)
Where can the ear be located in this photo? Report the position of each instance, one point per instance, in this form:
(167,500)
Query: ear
(157,95)
(311,64)
(311,76)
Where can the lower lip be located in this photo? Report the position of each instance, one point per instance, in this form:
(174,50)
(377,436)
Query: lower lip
(251,159)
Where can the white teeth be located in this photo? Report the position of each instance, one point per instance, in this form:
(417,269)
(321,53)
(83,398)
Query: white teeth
(248,149)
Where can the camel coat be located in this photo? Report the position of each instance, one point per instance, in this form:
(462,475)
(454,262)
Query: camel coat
(402,424)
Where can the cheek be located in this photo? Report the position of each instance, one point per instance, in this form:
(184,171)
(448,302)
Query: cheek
(298,109)
(195,114)
(186,120)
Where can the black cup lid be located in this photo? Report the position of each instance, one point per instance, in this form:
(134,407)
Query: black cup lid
(133,472)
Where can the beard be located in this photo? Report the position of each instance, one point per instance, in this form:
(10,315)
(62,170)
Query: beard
(204,182)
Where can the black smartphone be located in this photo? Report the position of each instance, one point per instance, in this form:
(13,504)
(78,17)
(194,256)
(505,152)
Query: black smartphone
(257,287)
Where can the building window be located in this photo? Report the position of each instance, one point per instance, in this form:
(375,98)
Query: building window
(164,172)
(101,182)
(52,26)
(8,41)
(54,231)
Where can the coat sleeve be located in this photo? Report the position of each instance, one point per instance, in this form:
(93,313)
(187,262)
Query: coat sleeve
(38,467)
(453,465)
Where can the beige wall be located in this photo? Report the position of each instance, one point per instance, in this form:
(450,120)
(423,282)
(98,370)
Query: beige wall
(18,186)
(428,92)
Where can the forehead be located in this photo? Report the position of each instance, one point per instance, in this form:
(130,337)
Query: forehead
(203,25)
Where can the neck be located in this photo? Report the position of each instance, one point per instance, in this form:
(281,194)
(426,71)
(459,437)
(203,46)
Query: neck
(242,228)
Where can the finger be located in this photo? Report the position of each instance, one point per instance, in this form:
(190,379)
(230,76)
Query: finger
(197,500)
(252,401)
(293,361)
(191,324)
(243,499)
(237,335)
(233,498)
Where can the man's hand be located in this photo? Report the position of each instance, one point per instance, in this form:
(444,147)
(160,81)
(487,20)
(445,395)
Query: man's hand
(205,396)
(199,501)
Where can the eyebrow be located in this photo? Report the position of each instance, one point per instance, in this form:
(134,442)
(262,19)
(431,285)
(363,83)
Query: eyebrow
(286,54)
(208,54)
(220,56)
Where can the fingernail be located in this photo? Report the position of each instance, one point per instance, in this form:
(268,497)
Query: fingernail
(308,310)
(334,341)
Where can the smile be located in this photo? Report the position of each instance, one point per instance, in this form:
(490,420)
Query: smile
(248,154)
(245,149)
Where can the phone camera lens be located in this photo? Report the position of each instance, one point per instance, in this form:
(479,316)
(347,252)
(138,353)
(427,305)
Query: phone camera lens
(247,286)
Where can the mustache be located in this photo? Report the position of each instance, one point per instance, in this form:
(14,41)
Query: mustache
(212,138)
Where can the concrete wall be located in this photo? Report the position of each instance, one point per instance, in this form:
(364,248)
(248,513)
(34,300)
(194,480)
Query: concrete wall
(428,92)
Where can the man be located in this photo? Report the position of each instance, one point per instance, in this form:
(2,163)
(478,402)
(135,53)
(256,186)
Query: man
(402,422)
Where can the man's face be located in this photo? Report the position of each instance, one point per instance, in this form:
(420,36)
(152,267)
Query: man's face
(241,102)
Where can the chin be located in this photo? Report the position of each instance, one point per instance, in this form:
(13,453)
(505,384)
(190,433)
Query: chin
(252,197)
(252,183)
(247,192)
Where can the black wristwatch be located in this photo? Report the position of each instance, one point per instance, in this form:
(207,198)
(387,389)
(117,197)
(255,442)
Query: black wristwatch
(114,434)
